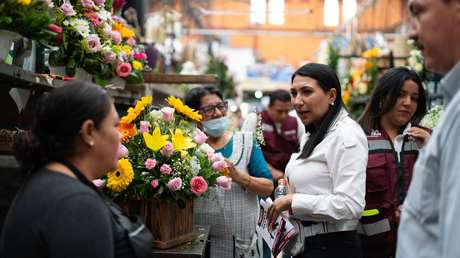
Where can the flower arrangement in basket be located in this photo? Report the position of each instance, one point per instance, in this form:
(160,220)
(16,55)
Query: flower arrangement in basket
(97,41)
(165,156)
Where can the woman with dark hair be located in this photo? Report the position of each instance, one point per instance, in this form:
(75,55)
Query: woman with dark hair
(232,214)
(58,212)
(327,178)
(390,121)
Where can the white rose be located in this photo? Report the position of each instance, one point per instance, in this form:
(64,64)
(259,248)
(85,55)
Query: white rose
(155,114)
(205,148)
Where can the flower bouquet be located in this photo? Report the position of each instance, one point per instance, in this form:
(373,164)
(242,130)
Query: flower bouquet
(97,41)
(165,156)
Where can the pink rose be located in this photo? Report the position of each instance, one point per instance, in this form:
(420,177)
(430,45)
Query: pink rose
(220,165)
(199,137)
(167,150)
(139,56)
(122,151)
(116,37)
(145,126)
(67,9)
(198,185)
(175,184)
(100,2)
(154,183)
(99,183)
(167,113)
(224,182)
(165,169)
(216,157)
(131,42)
(123,69)
(94,44)
(150,163)
(87,3)
(109,56)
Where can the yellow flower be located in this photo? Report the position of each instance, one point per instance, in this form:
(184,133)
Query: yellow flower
(24,2)
(126,33)
(133,113)
(156,140)
(137,65)
(120,179)
(371,53)
(181,142)
(184,109)
(127,50)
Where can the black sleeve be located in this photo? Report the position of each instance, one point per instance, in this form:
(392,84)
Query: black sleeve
(80,226)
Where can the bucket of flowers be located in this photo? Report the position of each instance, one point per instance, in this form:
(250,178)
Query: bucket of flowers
(165,164)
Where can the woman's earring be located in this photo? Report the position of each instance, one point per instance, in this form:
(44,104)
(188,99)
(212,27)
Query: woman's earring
(332,104)
(91,143)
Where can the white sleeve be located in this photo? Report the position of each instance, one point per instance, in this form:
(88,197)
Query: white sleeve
(300,128)
(347,161)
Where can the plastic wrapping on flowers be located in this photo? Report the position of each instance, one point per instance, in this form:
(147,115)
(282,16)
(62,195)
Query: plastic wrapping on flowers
(164,155)
(94,39)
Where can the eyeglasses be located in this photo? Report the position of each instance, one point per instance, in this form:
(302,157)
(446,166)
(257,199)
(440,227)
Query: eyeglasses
(210,109)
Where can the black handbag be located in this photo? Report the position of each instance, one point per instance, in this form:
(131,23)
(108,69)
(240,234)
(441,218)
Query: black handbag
(137,234)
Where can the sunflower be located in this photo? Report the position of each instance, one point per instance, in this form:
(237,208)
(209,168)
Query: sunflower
(119,180)
(184,109)
(133,113)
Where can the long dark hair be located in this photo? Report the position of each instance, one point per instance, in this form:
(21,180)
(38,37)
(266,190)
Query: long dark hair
(58,116)
(386,94)
(327,79)
(193,97)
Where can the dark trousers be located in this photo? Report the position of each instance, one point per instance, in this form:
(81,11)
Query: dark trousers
(332,245)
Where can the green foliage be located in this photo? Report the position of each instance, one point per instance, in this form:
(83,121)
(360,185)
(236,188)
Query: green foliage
(226,83)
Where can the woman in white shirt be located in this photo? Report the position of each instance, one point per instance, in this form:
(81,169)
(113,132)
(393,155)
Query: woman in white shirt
(327,177)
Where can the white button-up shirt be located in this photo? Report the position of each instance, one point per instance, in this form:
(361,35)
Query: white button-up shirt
(330,184)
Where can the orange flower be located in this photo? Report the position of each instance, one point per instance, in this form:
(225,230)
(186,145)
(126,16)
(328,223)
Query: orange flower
(127,131)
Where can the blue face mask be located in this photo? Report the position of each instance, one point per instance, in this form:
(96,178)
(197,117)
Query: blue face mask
(216,127)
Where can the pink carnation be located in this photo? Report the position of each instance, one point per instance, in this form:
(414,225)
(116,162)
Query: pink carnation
(123,69)
(220,165)
(139,56)
(67,9)
(167,113)
(167,150)
(216,157)
(87,3)
(122,151)
(165,169)
(175,184)
(145,126)
(150,163)
(224,182)
(198,185)
(154,183)
(199,137)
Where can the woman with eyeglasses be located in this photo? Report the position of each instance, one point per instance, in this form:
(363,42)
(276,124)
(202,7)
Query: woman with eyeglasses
(232,214)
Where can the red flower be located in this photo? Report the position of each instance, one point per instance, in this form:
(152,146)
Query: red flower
(56,29)
(118,4)
(123,69)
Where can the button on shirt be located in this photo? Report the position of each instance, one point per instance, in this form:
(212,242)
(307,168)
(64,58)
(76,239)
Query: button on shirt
(430,221)
(329,185)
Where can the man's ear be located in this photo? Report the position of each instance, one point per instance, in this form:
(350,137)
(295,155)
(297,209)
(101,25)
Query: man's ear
(87,131)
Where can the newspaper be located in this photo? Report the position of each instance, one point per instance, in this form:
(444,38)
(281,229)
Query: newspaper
(282,231)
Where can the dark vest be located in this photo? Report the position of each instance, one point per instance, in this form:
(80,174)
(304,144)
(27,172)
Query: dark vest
(278,148)
(387,182)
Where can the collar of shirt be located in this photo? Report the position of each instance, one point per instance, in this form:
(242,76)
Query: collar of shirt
(449,84)
(399,139)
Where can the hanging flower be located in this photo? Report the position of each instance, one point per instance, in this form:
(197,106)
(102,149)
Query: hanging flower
(118,180)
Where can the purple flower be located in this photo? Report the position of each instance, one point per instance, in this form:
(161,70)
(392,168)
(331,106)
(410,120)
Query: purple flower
(165,169)
(94,44)
(116,37)
(67,9)
(109,57)
(87,3)
(145,126)
(168,113)
(150,163)
(175,184)
(167,150)
(100,2)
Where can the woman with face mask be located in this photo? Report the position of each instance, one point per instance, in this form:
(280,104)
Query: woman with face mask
(327,177)
(232,214)
(390,121)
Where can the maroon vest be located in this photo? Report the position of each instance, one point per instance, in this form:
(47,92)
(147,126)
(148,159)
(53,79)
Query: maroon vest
(387,182)
(278,148)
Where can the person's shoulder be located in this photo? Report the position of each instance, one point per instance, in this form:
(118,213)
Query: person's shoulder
(350,132)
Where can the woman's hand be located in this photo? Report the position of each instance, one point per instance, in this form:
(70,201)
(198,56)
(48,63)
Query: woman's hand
(281,204)
(420,135)
(234,173)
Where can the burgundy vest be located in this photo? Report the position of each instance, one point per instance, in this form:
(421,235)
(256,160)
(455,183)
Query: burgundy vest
(387,182)
(279,147)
